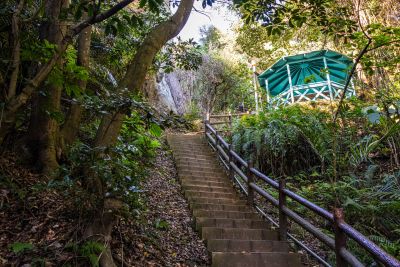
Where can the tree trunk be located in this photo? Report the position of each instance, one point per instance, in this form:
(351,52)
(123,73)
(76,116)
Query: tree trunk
(43,130)
(133,80)
(101,228)
(136,73)
(71,126)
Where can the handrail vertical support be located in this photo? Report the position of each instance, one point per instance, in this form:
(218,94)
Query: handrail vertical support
(231,170)
(206,121)
(230,121)
(340,236)
(282,216)
(216,141)
(250,180)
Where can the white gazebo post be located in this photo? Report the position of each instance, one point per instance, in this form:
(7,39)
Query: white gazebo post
(290,83)
(328,77)
(267,89)
(352,85)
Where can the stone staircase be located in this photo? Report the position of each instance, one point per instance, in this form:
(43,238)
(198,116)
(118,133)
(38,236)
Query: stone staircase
(235,234)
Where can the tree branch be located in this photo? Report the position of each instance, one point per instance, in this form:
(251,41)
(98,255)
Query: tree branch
(16,53)
(346,86)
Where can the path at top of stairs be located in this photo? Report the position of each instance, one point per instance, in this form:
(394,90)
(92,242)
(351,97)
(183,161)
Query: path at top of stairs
(236,236)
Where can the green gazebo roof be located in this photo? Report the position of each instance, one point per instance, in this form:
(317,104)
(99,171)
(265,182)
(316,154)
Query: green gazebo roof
(303,69)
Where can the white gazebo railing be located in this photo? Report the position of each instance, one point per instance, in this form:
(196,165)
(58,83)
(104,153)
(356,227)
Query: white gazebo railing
(325,90)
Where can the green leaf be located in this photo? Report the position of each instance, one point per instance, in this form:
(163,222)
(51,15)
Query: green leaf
(19,247)
(155,130)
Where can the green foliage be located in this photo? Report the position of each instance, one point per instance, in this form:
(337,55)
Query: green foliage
(161,224)
(19,247)
(180,54)
(122,167)
(91,250)
(67,76)
(365,187)
(284,141)
(38,51)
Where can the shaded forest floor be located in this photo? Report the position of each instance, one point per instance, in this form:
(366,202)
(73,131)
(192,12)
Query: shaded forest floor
(41,223)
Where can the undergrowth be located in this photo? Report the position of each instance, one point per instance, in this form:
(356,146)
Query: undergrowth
(354,166)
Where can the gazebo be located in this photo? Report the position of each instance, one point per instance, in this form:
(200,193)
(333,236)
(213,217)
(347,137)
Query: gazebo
(317,75)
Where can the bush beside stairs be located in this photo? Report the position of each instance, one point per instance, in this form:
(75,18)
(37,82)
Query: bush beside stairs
(234,233)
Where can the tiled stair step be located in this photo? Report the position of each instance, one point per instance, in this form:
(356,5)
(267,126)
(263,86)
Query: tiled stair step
(194,151)
(222,183)
(177,145)
(190,160)
(191,179)
(220,207)
(199,181)
(189,193)
(199,178)
(199,163)
(194,154)
(202,173)
(226,214)
(216,200)
(216,169)
(255,259)
(231,223)
(238,233)
(208,189)
(232,245)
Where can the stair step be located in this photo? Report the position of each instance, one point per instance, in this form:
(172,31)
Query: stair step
(206,183)
(199,169)
(202,173)
(216,200)
(191,157)
(226,214)
(190,193)
(231,223)
(208,188)
(202,177)
(229,245)
(238,233)
(201,164)
(218,207)
(255,259)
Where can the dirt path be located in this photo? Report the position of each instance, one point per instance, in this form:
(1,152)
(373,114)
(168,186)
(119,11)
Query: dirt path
(164,236)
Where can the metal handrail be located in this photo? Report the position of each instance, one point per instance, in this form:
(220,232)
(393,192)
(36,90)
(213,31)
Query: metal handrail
(235,164)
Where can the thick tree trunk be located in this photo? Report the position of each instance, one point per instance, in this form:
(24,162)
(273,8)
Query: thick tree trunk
(43,131)
(136,73)
(101,228)
(134,78)
(71,126)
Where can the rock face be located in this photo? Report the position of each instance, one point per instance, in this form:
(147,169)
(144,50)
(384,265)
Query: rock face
(165,93)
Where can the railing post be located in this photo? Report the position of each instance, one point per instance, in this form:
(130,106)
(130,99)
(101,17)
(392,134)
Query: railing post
(340,237)
(230,121)
(216,141)
(282,216)
(250,179)
(231,170)
(206,121)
